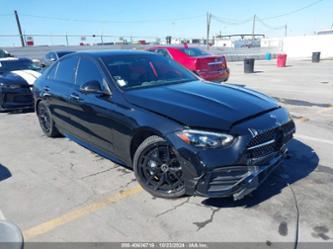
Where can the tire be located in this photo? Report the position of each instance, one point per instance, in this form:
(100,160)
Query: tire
(45,120)
(157,168)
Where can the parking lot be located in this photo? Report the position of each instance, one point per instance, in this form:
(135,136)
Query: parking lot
(56,190)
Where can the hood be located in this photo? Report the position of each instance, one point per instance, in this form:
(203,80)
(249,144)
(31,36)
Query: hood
(23,77)
(202,104)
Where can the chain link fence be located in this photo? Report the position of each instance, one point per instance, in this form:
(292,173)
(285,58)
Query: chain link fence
(108,42)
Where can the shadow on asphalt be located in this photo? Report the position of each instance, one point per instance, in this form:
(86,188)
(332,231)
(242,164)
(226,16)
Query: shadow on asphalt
(301,161)
(20,111)
(4,173)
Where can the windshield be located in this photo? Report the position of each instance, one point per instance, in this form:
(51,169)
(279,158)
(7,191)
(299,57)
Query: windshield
(14,64)
(194,52)
(141,70)
(4,53)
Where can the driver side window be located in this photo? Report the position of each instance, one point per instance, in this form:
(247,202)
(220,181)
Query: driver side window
(89,71)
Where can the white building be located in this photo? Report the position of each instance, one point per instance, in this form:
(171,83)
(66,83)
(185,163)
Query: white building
(226,43)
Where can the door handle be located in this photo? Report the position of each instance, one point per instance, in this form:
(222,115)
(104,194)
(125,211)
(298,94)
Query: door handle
(75,97)
(46,90)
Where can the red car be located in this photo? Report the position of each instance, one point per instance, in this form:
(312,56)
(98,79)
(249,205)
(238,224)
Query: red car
(207,66)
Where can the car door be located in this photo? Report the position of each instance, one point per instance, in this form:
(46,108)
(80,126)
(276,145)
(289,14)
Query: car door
(58,91)
(96,109)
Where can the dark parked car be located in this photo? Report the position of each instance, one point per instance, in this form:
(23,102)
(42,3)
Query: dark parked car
(53,56)
(5,53)
(179,134)
(16,79)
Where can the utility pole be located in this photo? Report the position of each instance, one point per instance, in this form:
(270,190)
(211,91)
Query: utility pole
(19,28)
(209,18)
(253,26)
(67,40)
(285,30)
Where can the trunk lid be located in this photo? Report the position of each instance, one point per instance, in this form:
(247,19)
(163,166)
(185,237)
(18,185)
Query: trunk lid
(210,63)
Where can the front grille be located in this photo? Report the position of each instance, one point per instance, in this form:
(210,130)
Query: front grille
(262,138)
(19,98)
(23,99)
(270,141)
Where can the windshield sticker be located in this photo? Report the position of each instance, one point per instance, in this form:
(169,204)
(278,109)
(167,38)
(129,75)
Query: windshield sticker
(121,82)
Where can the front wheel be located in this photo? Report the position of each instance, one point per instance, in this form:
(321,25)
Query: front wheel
(157,168)
(45,120)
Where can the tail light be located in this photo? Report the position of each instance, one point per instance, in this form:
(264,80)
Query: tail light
(196,67)
(224,62)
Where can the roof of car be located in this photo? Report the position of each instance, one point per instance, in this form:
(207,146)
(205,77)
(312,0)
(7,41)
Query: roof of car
(63,51)
(165,46)
(112,52)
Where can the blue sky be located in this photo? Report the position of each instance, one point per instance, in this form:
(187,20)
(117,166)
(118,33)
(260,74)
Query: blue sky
(159,18)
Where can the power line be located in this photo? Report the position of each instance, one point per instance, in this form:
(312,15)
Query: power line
(230,21)
(269,26)
(294,11)
(111,21)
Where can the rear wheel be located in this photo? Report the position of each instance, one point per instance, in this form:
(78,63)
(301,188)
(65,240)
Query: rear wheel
(157,168)
(45,120)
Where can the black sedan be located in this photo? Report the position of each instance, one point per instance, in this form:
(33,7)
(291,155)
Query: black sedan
(17,75)
(181,135)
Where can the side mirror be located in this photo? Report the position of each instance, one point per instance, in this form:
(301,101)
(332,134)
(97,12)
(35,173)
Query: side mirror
(92,86)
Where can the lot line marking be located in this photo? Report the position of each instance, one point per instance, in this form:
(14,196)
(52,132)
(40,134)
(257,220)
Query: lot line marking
(326,141)
(2,217)
(79,213)
(330,108)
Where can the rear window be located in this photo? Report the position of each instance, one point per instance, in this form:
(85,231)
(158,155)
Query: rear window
(50,72)
(66,69)
(194,52)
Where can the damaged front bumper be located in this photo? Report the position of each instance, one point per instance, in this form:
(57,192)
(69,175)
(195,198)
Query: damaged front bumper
(236,181)
(237,170)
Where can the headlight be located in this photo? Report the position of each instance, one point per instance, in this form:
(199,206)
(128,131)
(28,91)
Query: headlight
(205,139)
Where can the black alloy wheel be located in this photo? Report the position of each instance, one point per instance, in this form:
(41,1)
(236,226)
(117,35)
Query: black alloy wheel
(46,122)
(158,169)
